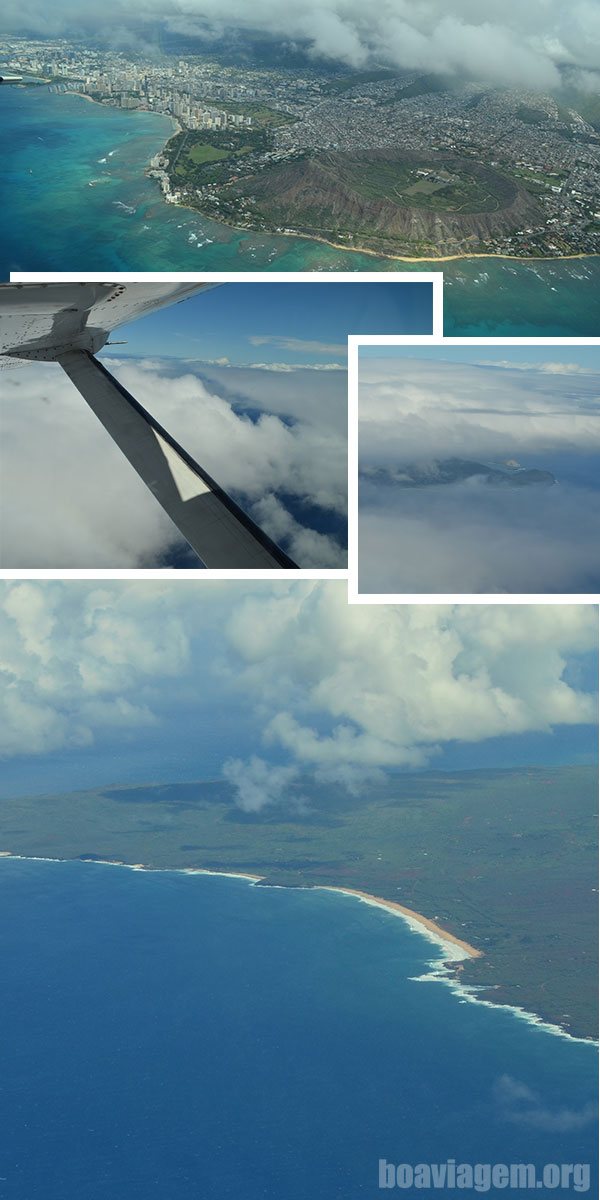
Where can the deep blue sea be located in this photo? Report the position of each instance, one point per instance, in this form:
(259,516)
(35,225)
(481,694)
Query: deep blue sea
(75,198)
(181,1038)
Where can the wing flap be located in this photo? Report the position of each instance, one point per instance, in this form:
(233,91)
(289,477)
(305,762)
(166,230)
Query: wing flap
(42,320)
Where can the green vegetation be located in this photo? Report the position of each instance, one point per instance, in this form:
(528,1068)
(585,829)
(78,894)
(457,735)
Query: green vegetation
(437,186)
(203,152)
(425,85)
(343,83)
(408,204)
(210,156)
(531,116)
(505,860)
(538,182)
(262,116)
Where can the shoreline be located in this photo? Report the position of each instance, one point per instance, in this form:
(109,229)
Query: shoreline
(442,258)
(439,935)
(443,970)
(388,257)
(177,128)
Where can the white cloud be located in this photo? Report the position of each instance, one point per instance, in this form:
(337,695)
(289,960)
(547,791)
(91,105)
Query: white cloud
(518,1103)
(506,43)
(68,498)
(295,367)
(305,545)
(74,659)
(258,783)
(470,537)
(411,408)
(336,690)
(348,689)
(549,368)
(475,539)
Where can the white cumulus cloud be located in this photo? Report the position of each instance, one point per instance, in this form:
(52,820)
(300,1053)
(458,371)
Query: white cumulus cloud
(421,408)
(68,498)
(75,659)
(334,691)
(346,690)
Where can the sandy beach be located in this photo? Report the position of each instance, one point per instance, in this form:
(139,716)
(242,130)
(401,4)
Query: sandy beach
(382,254)
(420,923)
(447,258)
(445,971)
(84,96)
(415,919)
(439,258)
(227,874)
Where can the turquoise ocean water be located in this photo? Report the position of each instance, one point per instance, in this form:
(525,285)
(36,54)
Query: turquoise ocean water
(164,1035)
(54,146)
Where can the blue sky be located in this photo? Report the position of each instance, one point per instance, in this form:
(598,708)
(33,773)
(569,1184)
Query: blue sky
(221,323)
(136,681)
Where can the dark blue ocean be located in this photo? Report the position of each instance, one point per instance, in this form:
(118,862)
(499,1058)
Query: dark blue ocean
(75,198)
(172,1037)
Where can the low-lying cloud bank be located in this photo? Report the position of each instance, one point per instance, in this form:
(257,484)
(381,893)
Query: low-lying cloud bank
(473,538)
(420,408)
(501,43)
(469,537)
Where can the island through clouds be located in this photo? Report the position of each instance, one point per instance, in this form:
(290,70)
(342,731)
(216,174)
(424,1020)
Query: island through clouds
(478,471)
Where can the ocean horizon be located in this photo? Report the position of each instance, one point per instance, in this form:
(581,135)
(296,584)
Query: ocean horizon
(192,1035)
(64,155)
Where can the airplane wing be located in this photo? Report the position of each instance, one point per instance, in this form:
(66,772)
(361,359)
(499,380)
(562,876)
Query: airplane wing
(43,317)
(68,323)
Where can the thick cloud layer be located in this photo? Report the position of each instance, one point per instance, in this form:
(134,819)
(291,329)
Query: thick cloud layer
(507,43)
(333,685)
(472,538)
(413,409)
(348,690)
(74,661)
(68,498)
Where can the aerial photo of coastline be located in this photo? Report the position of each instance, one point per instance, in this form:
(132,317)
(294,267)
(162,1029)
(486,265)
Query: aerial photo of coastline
(479,469)
(321,138)
(299,599)
(358,924)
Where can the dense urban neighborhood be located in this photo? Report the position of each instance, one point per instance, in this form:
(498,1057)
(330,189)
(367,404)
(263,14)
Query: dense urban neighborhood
(402,163)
